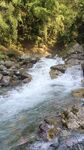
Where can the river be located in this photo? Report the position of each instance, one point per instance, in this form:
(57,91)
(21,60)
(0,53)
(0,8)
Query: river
(22,108)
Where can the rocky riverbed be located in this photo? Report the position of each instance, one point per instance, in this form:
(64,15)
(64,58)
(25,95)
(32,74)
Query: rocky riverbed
(67,130)
(48,113)
(14,72)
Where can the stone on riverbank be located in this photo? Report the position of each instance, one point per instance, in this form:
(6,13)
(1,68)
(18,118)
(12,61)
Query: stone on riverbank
(14,72)
(75,55)
(74,118)
(5,81)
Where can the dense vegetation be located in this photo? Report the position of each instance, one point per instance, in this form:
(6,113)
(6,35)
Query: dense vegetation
(41,21)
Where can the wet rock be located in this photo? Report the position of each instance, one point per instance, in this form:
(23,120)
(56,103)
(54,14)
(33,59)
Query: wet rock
(65,134)
(27,80)
(15,82)
(49,56)
(78,93)
(83,68)
(6,81)
(20,71)
(55,144)
(82,81)
(57,70)
(60,67)
(21,76)
(47,131)
(25,75)
(5,72)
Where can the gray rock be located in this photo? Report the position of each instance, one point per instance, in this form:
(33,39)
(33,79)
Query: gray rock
(34,60)
(73,118)
(25,57)
(77,48)
(25,76)
(2,68)
(6,72)
(9,64)
(72,61)
(57,70)
(15,82)
(75,55)
(6,80)
(27,80)
(60,67)
(55,144)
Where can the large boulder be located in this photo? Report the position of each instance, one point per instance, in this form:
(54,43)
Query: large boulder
(75,55)
(57,70)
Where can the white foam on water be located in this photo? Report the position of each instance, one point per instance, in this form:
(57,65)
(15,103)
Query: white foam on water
(39,88)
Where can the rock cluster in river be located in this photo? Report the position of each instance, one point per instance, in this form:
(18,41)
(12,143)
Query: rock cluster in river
(60,133)
(14,71)
(73,56)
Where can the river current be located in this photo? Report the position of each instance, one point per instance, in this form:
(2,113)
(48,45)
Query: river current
(21,109)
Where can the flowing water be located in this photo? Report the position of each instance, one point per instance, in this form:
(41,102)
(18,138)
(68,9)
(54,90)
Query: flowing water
(22,108)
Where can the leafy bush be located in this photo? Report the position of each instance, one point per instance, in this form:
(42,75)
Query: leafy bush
(41,21)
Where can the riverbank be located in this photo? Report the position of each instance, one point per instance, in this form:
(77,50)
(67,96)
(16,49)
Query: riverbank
(13,72)
(15,63)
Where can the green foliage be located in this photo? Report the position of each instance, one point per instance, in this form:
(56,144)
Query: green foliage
(41,21)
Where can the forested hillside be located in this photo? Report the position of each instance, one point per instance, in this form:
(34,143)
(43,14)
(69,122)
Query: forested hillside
(41,21)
